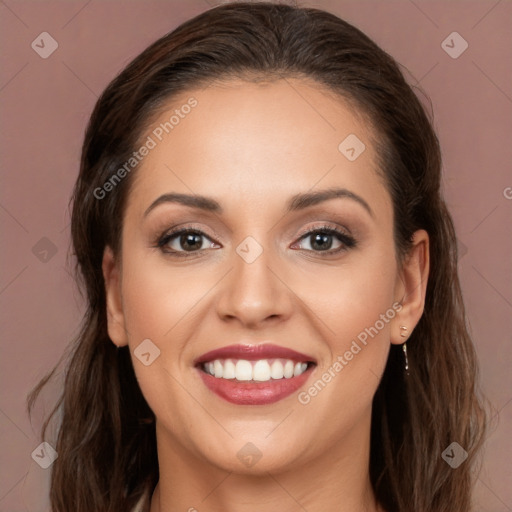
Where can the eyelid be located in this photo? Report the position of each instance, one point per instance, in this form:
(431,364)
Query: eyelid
(326,225)
(185,226)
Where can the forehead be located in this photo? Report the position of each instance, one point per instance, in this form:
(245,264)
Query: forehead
(258,141)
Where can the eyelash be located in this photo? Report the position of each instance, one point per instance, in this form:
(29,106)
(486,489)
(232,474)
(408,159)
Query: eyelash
(347,240)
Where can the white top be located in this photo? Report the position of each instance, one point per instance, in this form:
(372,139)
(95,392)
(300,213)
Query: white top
(141,504)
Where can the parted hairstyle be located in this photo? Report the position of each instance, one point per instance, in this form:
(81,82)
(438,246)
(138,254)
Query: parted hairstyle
(106,443)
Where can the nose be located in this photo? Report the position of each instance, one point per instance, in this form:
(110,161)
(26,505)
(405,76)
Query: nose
(255,293)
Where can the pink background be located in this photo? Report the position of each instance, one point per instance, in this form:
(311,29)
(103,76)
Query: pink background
(45,104)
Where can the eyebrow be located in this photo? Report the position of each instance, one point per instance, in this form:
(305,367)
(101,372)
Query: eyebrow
(295,203)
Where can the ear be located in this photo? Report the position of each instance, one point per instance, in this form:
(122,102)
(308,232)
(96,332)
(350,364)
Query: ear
(411,287)
(115,315)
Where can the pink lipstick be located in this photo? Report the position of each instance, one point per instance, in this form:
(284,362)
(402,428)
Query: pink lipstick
(254,374)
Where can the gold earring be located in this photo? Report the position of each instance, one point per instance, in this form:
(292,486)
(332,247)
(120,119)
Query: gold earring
(404,333)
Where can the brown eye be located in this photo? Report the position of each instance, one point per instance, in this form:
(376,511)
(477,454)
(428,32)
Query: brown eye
(185,240)
(322,240)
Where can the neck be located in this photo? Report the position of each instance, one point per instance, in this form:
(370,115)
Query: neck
(337,480)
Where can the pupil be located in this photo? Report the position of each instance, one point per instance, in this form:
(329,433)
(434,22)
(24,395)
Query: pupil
(191,241)
(322,239)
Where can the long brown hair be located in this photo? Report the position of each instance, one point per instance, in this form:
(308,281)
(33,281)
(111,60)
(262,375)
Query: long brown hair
(106,439)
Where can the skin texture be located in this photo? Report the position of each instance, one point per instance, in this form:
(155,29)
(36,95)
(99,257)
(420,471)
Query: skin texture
(251,147)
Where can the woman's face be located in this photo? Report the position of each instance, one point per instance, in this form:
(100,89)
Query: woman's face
(262,154)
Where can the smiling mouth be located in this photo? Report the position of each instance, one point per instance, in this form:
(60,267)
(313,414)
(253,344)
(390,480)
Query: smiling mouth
(254,382)
(254,374)
(261,370)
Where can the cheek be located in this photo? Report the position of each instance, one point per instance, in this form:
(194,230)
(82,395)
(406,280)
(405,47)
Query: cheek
(157,300)
(159,305)
(359,305)
(355,303)
(351,297)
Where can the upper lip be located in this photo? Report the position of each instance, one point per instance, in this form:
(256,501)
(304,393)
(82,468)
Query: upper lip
(253,353)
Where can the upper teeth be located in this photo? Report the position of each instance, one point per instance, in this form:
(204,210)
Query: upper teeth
(262,370)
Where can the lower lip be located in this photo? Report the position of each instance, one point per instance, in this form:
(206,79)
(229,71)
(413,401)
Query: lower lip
(254,393)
